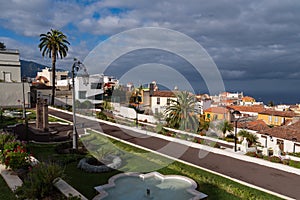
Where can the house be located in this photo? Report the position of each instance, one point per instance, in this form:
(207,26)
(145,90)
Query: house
(287,137)
(160,100)
(46,74)
(249,101)
(275,117)
(203,102)
(217,113)
(11,86)
(248,111)
(89,90)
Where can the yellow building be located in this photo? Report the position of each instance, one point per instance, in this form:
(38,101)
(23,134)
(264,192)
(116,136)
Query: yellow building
(217,113)
(276,118)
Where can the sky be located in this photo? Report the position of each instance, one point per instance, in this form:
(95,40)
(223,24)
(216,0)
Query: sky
(254,44)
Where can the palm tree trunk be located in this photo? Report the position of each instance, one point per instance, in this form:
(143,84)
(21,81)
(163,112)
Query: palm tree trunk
(53,77)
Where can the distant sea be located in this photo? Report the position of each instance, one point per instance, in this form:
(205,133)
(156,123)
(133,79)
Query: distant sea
(287,98)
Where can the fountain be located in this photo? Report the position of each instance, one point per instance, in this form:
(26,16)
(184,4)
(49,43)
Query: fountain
(154,186)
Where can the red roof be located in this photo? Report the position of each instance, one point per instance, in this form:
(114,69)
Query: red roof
(279,113)
(219,110)
(163,94)
(254,109)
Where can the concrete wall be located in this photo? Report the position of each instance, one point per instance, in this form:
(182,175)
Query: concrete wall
(130,113)
(11,94)
(15,73)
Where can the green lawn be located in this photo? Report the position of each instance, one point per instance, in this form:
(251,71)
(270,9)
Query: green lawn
(5,192)
(216,187)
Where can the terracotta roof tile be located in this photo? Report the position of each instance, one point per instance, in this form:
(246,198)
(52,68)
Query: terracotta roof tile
(220,110)
(279,113)
(254,109)
(163,94)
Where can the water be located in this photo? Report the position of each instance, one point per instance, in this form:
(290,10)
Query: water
(134,188)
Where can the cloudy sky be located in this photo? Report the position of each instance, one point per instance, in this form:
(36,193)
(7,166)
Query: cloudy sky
(255,44)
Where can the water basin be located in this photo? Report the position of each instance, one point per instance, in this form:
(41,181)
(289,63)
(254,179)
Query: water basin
(154,186)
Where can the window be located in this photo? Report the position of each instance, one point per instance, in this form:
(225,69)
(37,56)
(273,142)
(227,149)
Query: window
(96,85)
(276,119)
(156,110)
(82,94)
(168,101)
(63,77)
(270,119)
(7,76)
(158,101)
(208,116)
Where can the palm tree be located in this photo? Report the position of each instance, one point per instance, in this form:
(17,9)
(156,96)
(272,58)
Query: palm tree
(225,126)
(180,113)
(53,44)
(251,138)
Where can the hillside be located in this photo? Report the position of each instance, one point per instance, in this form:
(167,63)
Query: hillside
(30,68)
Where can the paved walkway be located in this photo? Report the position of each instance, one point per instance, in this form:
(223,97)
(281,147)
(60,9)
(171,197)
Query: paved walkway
(271,179)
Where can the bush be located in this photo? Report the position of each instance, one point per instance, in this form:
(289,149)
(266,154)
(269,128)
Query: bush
(252,154)
(15,156)
(101,115)
(275,159)
(40,181)
(4,138)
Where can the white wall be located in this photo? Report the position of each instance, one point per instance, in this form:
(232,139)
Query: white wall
(11,94)
(163,103)
(272,142)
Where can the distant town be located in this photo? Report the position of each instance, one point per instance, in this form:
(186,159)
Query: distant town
(273,124)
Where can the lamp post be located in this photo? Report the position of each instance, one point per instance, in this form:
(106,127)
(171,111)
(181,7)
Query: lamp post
(77,65)
(23,92)
(236,114)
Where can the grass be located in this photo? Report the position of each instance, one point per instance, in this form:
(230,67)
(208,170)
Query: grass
(5,192)
(216,187)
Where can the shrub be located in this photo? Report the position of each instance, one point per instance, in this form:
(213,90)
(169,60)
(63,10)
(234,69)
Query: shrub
(252,154)
(40,181)
(286,162)
(275,159)
(15,155)
(4,138)
(101,115)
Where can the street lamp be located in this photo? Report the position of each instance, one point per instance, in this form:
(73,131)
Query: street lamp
(236,115)
(24,109)
(77,65)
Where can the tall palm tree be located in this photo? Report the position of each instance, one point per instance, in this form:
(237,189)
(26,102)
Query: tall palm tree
(54,44)
(180,113)
(225,126)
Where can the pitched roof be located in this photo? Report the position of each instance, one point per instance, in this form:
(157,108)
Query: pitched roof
(163,94)
(219,110)
(248,99)
(257,125)
(289,132)
(278,113)
(254,108)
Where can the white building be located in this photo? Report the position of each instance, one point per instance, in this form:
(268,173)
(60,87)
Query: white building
(91,89)
(11,87)
(160,100)
(47,73)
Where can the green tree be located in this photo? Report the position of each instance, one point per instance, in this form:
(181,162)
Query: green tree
(251,138)
(225,126)
(204,125)
(180,113)
(2,46)
(54,44)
